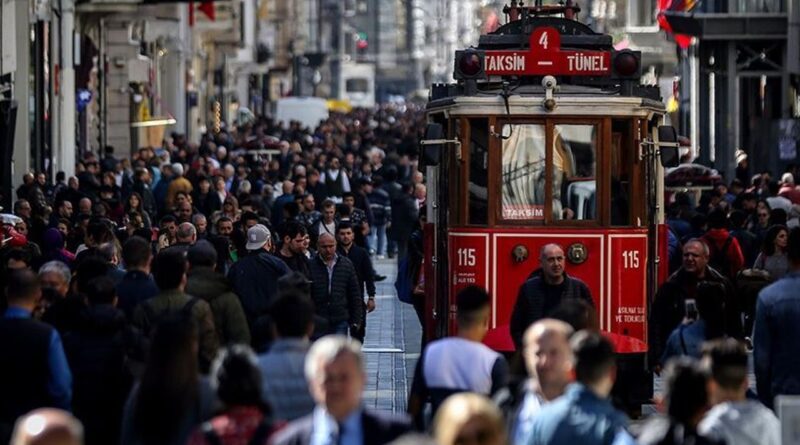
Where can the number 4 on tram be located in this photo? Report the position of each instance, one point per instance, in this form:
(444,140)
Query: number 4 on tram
(547,136)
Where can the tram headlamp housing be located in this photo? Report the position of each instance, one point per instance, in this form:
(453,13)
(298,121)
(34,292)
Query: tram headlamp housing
(469,65)
(626,65)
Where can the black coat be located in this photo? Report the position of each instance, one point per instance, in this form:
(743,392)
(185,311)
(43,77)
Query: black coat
(98,351)
(363,264)
(344,301)
(379,428)
(668,309)
(255,280)
(530,305)
(405,215)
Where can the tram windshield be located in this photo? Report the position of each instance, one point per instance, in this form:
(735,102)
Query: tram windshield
(573,185)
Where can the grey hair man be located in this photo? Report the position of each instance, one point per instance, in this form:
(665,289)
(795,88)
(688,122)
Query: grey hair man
(334,368)
(546,288)
(185,237)
(55,275)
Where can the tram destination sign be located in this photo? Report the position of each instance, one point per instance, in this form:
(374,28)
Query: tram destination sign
(545,57)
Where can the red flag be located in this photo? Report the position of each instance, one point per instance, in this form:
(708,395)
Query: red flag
(675,5)
(208,9)
(191,13)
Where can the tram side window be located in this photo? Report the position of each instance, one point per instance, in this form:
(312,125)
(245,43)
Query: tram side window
(523,172)
(574,172)
(478,176)
(621,166)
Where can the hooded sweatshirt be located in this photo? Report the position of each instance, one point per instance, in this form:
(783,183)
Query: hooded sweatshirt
(742,423)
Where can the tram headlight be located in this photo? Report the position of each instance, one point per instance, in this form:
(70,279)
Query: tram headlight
(627,64)
(469,65)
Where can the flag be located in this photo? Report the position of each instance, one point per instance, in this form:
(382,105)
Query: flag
(207,8)
(678,6)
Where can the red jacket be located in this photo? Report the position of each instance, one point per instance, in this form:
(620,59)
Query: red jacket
(15,239)
(716,239)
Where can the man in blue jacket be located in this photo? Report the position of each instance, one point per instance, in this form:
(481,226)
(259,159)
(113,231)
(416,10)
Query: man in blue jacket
(776,352)
(35,372)
(584,415)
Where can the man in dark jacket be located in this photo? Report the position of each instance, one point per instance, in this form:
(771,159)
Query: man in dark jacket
(169,272)
(543,293)
(291,251)
(363,265)
(137,285)
(255,281)
(405,214)
(98,351)
(204,282)
(335,289)
(669,305)
(35,372)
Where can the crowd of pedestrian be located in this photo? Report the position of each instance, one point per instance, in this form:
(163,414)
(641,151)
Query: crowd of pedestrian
(218,293)
(173,296)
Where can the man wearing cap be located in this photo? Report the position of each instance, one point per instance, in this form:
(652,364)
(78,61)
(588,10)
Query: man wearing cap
(255,281)
(178,184)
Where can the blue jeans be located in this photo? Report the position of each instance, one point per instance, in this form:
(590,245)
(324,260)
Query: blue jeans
(377,239)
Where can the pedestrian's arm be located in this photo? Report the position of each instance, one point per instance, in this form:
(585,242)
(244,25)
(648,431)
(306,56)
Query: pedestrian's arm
(519,317)
(418,396)
(762,358)
(355,300)
(732,313)
(209,343)
(585,294)
(59,384)
(236,329)
(500,373)
(369,277)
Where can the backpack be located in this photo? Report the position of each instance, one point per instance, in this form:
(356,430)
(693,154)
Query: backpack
(718,258)
(404,284)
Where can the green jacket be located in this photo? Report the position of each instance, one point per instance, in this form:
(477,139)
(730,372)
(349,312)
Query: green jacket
(229,317)
(147,314)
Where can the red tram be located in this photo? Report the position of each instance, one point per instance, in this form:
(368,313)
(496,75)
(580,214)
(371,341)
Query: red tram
(547,136)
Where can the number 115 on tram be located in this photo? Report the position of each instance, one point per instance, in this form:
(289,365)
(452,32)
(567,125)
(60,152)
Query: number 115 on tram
(547,136)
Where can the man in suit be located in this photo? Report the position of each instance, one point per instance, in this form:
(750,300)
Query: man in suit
(335,372)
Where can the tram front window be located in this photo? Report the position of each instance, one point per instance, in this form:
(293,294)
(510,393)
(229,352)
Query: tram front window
(574,176)
(574,185)
(523,178)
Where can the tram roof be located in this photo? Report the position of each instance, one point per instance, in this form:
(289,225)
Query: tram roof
(575,101)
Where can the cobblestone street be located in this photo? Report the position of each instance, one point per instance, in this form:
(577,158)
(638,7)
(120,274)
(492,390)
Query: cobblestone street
(391,346)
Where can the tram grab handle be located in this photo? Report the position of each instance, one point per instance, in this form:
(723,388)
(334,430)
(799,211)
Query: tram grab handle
(432,146)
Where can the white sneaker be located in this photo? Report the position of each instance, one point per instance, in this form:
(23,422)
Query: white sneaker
(381,257)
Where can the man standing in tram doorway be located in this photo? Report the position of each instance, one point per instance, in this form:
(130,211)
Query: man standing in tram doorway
(546,289)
